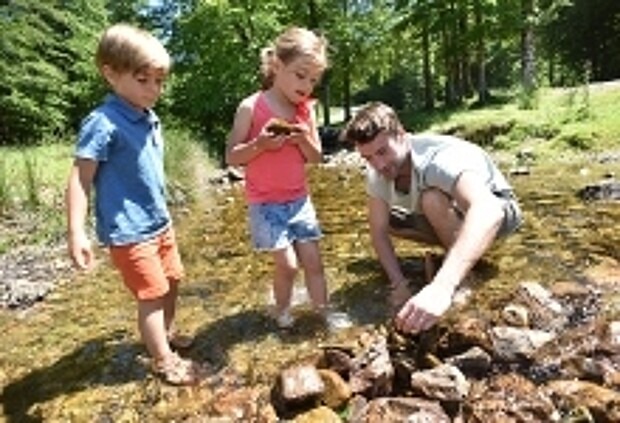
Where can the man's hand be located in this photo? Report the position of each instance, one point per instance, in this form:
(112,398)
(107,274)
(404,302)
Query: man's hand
(423,310)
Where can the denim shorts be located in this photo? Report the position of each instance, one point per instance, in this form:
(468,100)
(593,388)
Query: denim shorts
(275,226)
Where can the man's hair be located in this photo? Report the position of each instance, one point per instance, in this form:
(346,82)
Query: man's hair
(126,48)
(371,120)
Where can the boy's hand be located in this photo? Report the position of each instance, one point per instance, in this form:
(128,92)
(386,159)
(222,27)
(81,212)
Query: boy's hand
(81,252)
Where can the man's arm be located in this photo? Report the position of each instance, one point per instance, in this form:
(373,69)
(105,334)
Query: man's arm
(483,214)
(379,219)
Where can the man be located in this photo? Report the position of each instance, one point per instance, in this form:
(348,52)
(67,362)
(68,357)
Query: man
(435,189)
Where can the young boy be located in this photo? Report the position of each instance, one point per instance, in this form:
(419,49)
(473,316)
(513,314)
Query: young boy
(120,152)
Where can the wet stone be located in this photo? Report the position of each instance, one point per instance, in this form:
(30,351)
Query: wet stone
(512,343)
(301,383)
(508,398)
(516,315)
(602,403)
(399,409)
(443,383)
(607,189)
(474,362)
(546,312)
(372,371)
(337,391)
(320,414)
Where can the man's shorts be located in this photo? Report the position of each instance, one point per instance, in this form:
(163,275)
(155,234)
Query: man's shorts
(275,226)
(402,219)
(148,268)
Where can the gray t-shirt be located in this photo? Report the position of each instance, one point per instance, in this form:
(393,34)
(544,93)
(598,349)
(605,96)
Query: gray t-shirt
(438,161)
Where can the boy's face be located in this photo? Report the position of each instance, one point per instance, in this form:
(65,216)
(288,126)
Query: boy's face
(298,78)
(141,88)
(386,153)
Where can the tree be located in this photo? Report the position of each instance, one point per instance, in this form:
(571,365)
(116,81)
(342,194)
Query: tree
(45,73)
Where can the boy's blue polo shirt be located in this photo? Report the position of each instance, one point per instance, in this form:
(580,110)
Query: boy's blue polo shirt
(130,197)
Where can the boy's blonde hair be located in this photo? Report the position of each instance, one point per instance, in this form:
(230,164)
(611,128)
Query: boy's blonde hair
(371,120)
(288,46)
(125,48)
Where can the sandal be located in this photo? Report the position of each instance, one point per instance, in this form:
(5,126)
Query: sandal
(177,371)
(179,341)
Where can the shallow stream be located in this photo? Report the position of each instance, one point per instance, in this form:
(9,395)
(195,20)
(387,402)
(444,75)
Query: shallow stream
(73,356)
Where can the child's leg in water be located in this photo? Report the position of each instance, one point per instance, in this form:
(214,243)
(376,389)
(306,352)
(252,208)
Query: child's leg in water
(285,262)
(310,258)
(314,274)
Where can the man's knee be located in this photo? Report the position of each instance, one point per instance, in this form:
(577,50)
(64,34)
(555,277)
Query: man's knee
(434,201)
(412,226)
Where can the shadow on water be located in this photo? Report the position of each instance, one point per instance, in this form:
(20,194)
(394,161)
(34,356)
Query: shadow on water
(101,361)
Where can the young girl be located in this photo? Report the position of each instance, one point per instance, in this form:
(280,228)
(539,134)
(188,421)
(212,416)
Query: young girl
(274,135)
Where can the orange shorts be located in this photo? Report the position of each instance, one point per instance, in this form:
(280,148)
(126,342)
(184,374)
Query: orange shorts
(148,268)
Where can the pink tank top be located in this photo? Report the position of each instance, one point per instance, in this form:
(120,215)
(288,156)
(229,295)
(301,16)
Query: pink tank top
(276,176)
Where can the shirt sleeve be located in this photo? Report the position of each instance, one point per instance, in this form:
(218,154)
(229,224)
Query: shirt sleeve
(376,186)
(94,138)
(449,163)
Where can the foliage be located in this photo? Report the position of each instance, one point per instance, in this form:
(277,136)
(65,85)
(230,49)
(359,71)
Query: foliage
(575,53)
(45,73)
(413,54)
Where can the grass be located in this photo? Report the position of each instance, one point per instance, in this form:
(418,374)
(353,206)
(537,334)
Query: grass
(33,180)
(568,119)
(565,121)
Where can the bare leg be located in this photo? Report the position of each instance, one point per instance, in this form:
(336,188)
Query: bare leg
(170,301)
(310,257)
(440,212)
(151,323)
(284,277)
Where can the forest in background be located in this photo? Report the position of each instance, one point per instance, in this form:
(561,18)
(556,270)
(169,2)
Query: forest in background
(414,54)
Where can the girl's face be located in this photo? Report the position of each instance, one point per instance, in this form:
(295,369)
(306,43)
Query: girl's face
(297,79)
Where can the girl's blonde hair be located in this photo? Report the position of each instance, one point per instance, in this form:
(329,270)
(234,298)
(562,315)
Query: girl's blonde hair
(126,48)
(289,45)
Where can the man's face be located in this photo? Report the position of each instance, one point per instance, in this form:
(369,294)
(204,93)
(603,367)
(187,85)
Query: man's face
(385,153)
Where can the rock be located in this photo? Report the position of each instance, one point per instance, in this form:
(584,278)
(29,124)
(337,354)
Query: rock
(516,315)
(512,343)
(508,398)
(320,414)
(337,359)
(337,391)
(474,362)
(603,403)
(383,410)
(241,404)
(546,313)
(443,383)
(301,383)
(607,189)
(372,371)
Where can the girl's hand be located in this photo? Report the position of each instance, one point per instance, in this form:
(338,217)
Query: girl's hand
(270,139)
(300,133)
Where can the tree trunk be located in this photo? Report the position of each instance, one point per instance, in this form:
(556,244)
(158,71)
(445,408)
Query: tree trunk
(483,90)
(528,52)
(429,97)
